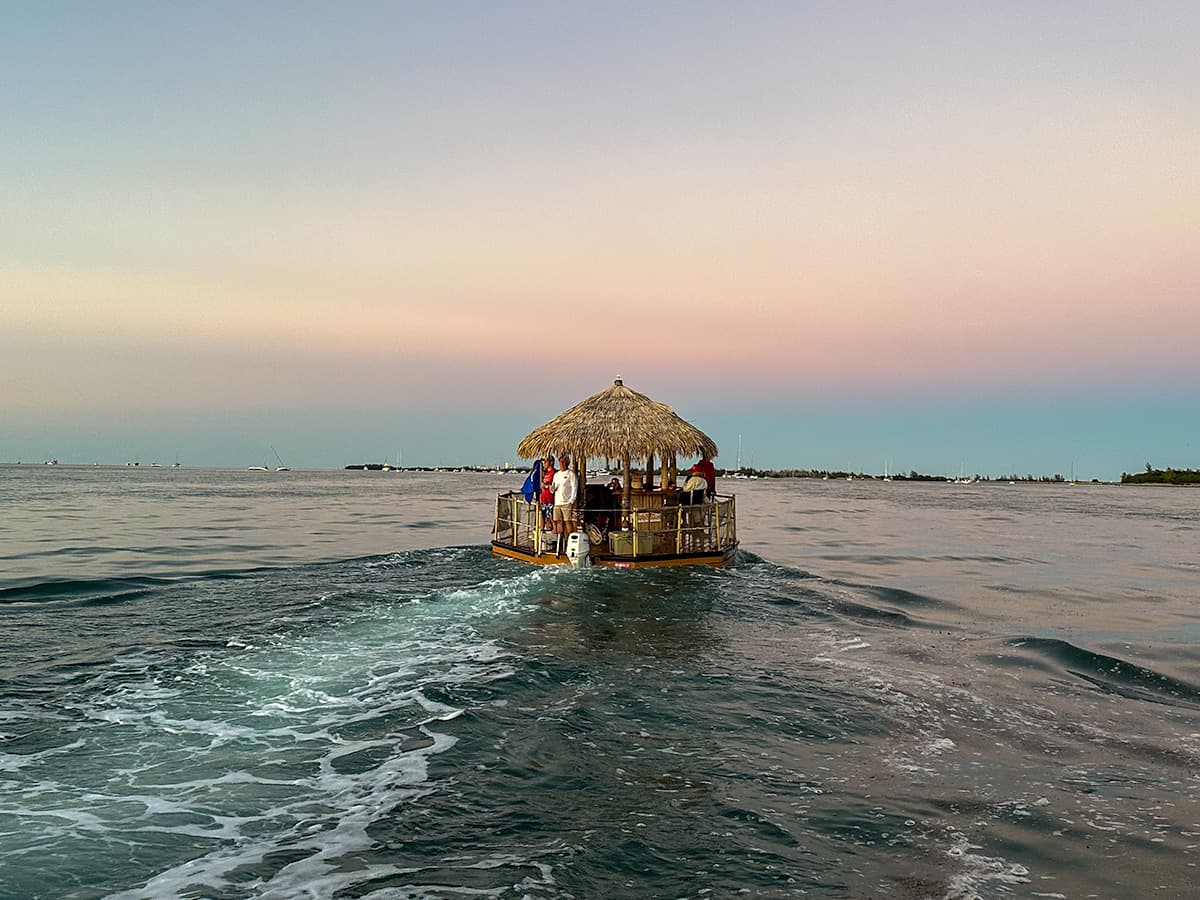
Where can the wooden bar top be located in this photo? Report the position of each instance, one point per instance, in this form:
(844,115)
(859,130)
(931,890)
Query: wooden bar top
(641,499)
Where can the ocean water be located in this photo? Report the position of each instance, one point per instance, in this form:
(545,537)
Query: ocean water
(321,684)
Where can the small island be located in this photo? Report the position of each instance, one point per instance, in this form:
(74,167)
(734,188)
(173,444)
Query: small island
(1162,476)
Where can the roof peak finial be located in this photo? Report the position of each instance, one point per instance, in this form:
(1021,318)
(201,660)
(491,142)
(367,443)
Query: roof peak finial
(618,381)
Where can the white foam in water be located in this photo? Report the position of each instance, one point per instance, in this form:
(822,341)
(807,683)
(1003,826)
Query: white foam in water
(11,762)
(300,746)
(977,871)
(359,801)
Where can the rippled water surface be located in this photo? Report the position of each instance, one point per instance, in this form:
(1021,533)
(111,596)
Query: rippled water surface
(260,684)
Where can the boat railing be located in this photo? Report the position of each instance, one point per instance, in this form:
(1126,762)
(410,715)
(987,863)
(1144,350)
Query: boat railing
(659,527)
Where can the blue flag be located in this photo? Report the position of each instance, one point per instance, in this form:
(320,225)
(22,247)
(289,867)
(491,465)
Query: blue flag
(533,483)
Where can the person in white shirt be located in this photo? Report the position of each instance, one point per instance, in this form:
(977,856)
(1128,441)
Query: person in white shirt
(694,489)
(693,495)
(566,487)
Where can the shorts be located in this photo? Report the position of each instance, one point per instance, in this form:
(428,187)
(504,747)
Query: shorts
(564,512)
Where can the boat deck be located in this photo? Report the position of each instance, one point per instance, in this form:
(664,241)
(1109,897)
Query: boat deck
(656,531)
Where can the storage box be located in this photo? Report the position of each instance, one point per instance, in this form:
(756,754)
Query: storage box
(630,543)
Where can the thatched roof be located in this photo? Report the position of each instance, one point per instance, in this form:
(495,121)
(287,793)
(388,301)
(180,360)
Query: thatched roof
(615,423)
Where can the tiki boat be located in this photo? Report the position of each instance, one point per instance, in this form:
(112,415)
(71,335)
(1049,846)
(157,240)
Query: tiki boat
(645,523)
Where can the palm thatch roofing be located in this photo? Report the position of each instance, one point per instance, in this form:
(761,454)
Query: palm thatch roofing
(617,423)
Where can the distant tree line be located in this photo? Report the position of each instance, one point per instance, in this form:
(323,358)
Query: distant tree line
(914,475)
(1162,476)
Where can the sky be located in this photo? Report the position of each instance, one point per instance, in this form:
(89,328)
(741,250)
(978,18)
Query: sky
(931,236)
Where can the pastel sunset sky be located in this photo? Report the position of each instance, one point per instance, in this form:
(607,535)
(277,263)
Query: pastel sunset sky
(931,234)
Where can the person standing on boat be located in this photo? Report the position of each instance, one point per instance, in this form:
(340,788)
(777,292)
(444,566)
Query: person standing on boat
(566,487)
(695,489)
(546,495)
(693,495)
(709,471)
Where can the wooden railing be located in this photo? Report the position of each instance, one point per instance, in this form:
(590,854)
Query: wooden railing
(655,528)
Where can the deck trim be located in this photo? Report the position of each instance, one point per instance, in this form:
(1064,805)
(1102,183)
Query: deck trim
(717,559)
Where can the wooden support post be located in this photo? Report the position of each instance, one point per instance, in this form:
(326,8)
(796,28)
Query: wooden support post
(581,493)
(627,490)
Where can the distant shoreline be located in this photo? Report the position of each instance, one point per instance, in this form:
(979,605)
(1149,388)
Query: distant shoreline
(1179,477)
(1165,477)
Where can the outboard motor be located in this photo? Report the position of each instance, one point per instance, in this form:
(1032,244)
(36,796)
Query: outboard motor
(579,549)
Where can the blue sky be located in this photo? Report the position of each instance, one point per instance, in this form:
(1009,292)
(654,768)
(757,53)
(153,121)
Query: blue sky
(931,233)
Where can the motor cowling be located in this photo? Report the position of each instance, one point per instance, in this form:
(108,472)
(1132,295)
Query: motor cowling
(579,549)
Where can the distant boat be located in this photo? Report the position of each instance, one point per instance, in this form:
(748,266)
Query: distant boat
(737,472)
(281,467)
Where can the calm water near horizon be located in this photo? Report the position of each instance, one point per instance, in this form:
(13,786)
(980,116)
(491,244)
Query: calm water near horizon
(220,683)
